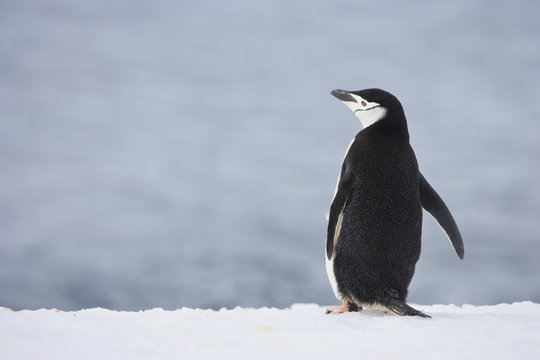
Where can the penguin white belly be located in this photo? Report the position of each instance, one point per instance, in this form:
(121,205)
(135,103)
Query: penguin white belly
(331,275)
(339,176)
(330,263)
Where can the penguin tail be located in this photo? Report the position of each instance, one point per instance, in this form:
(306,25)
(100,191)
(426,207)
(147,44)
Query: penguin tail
(399,307)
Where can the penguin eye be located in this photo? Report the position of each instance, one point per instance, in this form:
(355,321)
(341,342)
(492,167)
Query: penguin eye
(364,103)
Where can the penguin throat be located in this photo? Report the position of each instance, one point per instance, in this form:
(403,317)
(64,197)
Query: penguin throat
(371,116)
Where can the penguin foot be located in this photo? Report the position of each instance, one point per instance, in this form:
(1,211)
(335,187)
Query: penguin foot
(337,309)
(346,307)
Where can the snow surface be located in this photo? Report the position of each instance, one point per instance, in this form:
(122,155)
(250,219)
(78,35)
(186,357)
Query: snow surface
(303,331)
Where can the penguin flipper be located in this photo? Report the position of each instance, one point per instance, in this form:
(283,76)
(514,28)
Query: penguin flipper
(401,308)
(432,202)
(344,188)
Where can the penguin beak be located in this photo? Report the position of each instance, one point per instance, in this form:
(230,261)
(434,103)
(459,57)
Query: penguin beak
(343,95)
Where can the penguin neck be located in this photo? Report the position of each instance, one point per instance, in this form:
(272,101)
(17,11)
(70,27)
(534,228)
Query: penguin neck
(391,124)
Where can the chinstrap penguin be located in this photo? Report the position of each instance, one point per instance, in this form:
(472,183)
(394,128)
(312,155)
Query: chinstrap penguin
(375,220)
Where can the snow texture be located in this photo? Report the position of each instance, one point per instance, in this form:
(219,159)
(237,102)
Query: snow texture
(303,331)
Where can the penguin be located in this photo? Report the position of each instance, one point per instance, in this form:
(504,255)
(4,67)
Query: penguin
(375,220)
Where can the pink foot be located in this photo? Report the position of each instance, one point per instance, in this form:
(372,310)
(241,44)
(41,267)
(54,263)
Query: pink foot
(346,307)
(337,309)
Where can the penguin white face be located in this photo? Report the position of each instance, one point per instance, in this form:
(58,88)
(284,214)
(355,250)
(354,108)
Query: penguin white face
(368,112)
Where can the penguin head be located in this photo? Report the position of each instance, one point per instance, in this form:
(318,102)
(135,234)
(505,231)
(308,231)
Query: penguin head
(371,106)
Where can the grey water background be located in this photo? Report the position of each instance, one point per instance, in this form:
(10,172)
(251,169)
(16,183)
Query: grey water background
(184,153)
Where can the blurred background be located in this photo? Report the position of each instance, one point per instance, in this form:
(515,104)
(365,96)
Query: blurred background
(185,153)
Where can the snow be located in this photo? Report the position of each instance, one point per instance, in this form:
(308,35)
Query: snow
(303,331)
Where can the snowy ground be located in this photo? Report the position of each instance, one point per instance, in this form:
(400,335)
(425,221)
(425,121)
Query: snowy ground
(303,331)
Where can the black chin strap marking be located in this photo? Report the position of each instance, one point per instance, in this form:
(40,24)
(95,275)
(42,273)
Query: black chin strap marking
(367,109)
